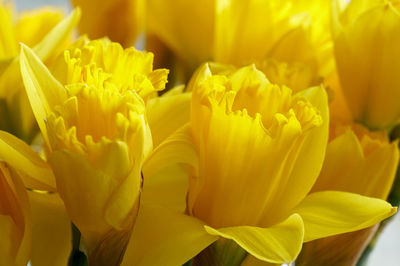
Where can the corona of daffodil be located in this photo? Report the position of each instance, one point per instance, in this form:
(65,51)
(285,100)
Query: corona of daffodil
(256,150)
(366,37)
(357,161)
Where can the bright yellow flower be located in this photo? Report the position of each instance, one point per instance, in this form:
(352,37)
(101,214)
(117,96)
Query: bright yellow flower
(15,219)
(360,162)
(120,20)
(256,151)
(242,32)
(42,29)
(366,36)
(96,135)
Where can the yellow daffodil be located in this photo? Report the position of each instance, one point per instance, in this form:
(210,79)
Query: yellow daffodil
(242,32)
(256,151)
(96,136)
(42,29)
(15,219)
(366,37)
(360,162)
(121,20)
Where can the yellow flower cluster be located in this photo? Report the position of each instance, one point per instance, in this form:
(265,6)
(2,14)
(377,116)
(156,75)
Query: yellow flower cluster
(274,140)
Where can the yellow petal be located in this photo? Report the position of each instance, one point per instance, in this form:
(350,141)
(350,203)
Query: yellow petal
(166,20)
(57,35)
(178,148)
(44,91)
(368,64)
(51,236)
(166,114)
(280,243)
(365,166)
(7,37)
(167,188)
(15,215)
(162,237)
(332,212)
(126,25)
(33,25)
(88,194)
(37,174)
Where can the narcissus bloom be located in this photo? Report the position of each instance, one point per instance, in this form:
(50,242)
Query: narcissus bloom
(15,219)
(41,29)
(96,136)
(367,37)
(357,161)
(121,20)
(256,150)
(243,32)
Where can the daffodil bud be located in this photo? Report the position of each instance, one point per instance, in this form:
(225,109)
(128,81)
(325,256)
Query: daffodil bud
(15,219)
(97,137)
(124,27)
(357,161)
(367,37)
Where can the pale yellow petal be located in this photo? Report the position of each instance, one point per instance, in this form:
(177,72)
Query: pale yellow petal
(55,38)
(44,91)
(353,168)
(37,174)
(33,25)
(166,114)
(280,243)
(167,188)
(333,212)
(178,148)
(51,236)
(162,237)
(8,43)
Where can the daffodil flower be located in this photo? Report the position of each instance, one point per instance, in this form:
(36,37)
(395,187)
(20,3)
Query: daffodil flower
(255,152)
(96,137)
(243,32)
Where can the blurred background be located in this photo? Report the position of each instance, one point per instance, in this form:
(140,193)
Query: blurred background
(387,250)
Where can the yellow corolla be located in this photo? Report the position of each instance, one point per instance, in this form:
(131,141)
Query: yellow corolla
(366,38)
(120,20)
(242,32)
(357,161)
(96,136)
(256,150)
(42,29)
(15,219)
